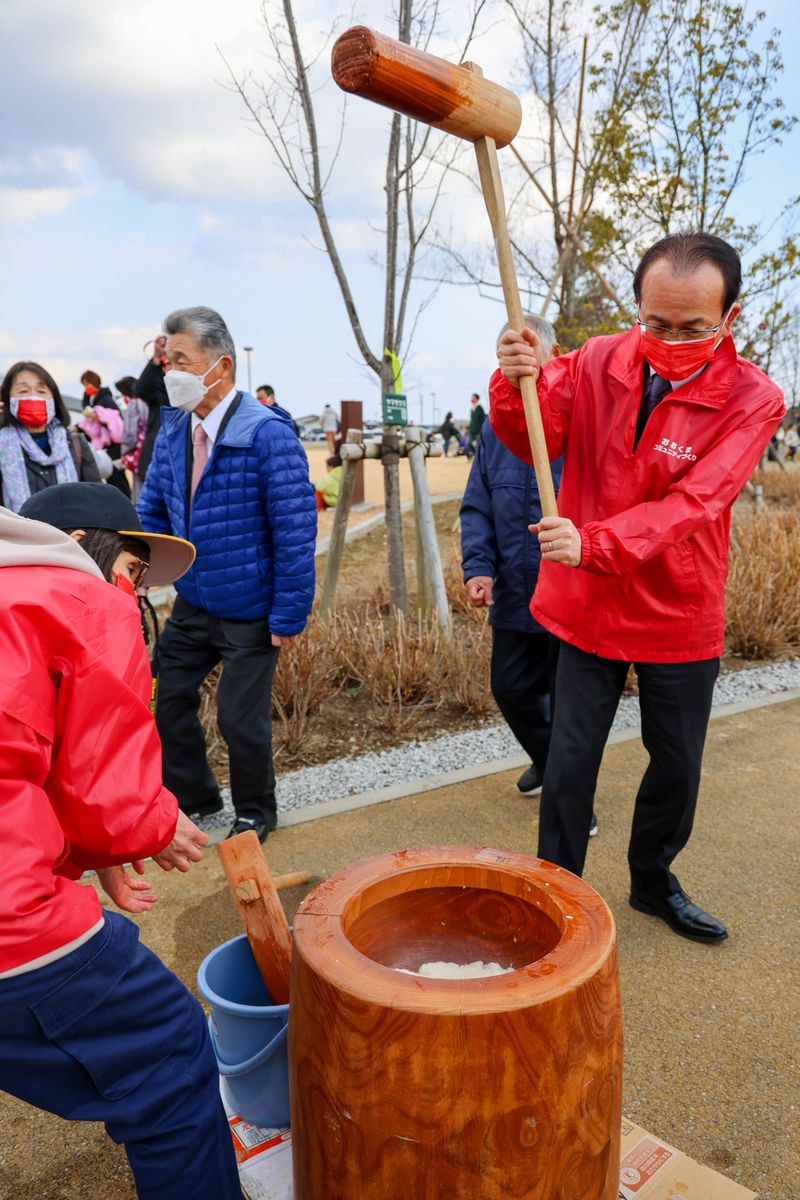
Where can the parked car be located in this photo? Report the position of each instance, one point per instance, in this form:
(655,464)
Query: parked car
(312,433)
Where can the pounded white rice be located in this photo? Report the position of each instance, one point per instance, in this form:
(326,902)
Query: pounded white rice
(451,970)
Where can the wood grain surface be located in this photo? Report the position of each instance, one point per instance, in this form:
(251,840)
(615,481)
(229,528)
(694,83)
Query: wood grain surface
(404,1086)
(261,911)
(424,87)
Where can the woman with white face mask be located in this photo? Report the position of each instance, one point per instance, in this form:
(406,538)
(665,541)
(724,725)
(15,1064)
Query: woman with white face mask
(37,447)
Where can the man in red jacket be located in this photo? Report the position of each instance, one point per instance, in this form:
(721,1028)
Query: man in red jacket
(660,429)
(93,1026)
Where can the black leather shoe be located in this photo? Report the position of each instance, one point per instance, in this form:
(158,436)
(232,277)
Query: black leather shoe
(682,916)
(530,781)
(243,824)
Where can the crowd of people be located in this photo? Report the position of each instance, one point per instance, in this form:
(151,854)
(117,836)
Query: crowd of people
(652,434)
(465,436)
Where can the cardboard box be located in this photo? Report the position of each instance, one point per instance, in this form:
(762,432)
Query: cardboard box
(653,1170)
(650,1169)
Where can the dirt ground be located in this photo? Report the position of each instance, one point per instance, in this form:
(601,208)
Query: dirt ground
(709,1031)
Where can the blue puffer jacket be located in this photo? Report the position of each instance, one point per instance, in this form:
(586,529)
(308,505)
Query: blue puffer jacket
(253,518)
(501,500)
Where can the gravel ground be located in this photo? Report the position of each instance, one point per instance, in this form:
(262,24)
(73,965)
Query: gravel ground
(485,743)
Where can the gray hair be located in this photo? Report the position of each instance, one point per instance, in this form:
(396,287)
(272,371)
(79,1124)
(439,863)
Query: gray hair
(542,328)
(206,327)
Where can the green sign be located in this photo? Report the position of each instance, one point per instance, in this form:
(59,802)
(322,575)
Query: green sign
(395,409)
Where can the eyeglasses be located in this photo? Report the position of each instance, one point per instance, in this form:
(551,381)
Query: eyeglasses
(682,335)
(140,569)
(136,570)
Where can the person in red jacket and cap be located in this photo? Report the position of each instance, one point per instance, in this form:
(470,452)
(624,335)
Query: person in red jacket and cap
(93,1026)
(660,429)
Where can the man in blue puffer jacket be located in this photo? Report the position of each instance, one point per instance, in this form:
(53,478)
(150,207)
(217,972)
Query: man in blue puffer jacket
(500,561)
(231,476)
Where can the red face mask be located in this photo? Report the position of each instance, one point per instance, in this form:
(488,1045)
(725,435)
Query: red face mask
(678,360)
(90,390)
(124,584)
(30,410)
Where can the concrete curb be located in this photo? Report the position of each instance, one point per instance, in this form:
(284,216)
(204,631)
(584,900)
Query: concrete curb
(431,783)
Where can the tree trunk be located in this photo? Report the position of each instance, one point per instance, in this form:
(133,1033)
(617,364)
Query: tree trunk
(390,458)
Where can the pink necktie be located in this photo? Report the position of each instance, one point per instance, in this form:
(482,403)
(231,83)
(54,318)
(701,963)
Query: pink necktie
(200,458)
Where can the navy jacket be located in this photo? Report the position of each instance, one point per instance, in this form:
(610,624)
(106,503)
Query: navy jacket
(253,518)
(501,500)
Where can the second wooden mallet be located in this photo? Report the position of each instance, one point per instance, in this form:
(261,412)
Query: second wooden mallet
(457,100)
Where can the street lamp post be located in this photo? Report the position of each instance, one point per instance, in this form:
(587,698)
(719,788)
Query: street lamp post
(248,351)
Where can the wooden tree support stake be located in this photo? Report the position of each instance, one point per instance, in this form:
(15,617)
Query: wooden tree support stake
(341,515)
(429,560)
(261,911)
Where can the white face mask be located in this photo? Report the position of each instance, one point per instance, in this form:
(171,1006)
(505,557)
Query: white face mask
(185,390)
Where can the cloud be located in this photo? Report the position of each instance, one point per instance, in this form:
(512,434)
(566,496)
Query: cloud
(54,167)
(39,182)
(22,206)
(137,186)
(140,93)
(112,351)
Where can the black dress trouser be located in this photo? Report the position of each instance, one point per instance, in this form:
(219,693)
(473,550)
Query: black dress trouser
(192,644)
(675,701)
(521,683)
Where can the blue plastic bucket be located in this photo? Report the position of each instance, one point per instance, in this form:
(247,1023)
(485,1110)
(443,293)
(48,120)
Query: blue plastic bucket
(248,1034)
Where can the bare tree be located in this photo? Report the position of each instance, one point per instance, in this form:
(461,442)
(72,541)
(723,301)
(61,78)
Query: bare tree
(282,108)
(654,127)
(576,84)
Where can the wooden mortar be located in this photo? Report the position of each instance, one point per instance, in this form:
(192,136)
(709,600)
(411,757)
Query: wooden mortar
(455,1089)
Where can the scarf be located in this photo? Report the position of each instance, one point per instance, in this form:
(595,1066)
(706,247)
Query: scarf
(16,444)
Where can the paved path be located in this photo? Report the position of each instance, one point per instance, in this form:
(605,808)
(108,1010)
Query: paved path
(709,1031)
(445,475)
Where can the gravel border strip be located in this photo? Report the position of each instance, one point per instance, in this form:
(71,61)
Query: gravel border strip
(345,783)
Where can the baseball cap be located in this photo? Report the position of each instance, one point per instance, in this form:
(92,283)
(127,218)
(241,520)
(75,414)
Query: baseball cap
(101,506)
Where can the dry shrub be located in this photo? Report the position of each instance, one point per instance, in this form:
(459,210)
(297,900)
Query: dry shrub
(307,673)
(468,657)
(763,596)
(379,597)
(398,661)
(781,487)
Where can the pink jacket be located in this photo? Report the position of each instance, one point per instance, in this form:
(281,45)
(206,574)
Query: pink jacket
(102,427)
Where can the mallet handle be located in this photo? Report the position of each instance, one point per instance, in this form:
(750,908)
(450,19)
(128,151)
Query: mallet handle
(292,879)
(492,187)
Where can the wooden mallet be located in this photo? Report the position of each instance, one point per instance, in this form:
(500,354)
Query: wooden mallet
(458,100)
(256,898)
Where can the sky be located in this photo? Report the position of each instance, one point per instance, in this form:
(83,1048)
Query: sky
(131,184)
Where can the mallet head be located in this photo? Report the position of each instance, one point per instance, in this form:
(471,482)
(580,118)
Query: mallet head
(424,87)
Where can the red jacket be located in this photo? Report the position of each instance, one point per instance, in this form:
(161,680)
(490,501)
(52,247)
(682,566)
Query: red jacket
(654,523)
(80,759)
